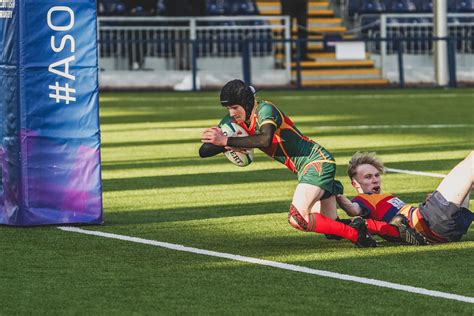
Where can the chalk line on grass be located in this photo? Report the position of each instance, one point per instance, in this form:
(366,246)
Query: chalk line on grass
(417,173)
(274,264)
(344,127)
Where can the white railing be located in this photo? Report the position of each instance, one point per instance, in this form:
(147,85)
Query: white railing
(127,43)
(418,26)
(417,44)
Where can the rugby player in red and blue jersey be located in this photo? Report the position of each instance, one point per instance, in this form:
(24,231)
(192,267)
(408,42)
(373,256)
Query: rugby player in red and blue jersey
(276,135)
(443,217)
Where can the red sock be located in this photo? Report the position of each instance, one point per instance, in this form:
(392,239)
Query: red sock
(382,228)
(321,224)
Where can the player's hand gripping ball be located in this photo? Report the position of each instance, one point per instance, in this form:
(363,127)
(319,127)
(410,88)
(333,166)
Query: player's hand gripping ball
(241,157)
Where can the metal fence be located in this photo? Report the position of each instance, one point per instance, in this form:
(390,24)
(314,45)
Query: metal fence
(161,43)
(416,26)
(186,53)
(403,45)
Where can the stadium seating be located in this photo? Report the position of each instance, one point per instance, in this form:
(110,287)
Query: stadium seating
(465,6)
(425,6)
(231,7)
(244,8)
(402,6)
(214,8)
(359,7)
(372,6)
(111,8)
(160,7)
(228,41)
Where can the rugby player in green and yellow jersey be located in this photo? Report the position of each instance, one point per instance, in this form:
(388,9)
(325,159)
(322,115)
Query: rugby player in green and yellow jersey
(271,131)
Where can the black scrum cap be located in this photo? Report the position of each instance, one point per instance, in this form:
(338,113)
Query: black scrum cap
(237,92)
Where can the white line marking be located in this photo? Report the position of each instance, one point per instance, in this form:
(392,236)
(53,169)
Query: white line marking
(287,97)
(403,126)
(274,264)
(371,96)
(417,173)
(341,127)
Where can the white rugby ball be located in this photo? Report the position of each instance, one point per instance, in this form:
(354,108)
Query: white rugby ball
(240,159)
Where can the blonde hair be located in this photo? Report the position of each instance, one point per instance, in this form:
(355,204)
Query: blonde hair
(364,158)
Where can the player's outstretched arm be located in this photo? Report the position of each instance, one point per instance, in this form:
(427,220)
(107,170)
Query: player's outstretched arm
(352,209)
(209,150)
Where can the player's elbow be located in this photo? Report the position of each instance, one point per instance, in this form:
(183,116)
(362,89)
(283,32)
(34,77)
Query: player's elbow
(266,141)
(202,152)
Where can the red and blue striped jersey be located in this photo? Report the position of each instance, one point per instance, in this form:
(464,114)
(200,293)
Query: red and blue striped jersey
(382,207)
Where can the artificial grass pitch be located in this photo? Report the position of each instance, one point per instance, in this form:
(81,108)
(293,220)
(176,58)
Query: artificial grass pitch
(156,187)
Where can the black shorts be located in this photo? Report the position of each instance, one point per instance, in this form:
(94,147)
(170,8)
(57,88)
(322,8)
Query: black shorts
(445,218)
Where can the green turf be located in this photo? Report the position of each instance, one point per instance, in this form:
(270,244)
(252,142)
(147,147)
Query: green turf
(156,187)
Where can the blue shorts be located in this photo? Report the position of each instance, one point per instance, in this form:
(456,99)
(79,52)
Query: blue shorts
(445,218)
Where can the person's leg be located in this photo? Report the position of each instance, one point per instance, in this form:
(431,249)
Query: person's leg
(382,229)
(305,196)
(329,207)
(326,207)
(465,202)
(458,183)
(316,207)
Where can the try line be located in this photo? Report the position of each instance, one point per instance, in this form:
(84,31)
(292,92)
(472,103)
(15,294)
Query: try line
(274,264)
(416,173)
(292,97)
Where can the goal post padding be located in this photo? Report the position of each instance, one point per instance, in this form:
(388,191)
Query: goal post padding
(49,116)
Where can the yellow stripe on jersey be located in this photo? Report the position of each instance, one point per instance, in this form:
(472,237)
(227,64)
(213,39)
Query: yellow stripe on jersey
(374,199)
(268,122)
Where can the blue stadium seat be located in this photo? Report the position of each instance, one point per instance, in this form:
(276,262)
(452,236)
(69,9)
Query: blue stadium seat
(372,6)
(138,11)
(111,8)
(452,6)
(402,6)
(160,7)
(214,7)
(244,8)
(231,6)
(424,6)
(465,6)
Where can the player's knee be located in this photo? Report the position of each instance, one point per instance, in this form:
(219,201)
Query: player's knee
(294,224)
(296,220)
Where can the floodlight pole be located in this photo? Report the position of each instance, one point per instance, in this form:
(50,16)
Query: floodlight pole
(440,46)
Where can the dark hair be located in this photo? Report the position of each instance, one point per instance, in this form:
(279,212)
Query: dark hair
(237,92)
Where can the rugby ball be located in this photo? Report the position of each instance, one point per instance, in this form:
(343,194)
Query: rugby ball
(240,159)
